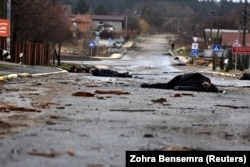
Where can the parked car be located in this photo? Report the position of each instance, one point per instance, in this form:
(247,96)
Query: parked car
(117,44)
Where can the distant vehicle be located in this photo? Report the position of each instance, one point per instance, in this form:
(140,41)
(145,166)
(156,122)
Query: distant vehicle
(117,44)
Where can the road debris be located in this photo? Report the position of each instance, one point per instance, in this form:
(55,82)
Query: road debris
(116,92)
(50,154)
(133,110)
(83,94)
(231,106)
(71,152)
(11,107)
(161,100)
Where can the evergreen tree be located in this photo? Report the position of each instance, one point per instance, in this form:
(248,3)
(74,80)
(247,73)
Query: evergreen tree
(100,10)
(3,8)
(81,7)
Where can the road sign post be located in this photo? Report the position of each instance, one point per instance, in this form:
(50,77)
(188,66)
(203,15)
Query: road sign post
(91,45)
(97,40)
(216,49)
(109,44)
(240,50)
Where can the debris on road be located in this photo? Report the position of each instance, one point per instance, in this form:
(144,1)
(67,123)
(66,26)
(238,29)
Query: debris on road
(115,92)
(83,94)
(161,100)
(132,110)
(231,106)
(89,94)
(50,154)
(11,107)
(71,152)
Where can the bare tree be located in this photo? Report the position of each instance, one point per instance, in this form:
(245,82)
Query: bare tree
(39,21)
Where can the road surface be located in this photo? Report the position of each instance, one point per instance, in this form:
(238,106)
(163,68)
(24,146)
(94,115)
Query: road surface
(65,130)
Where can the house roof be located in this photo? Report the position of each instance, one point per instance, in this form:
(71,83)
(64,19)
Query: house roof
(108,17)
(81,18)
(229,38)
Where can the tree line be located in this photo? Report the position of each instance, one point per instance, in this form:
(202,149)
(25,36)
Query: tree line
(37,21)
(172,15)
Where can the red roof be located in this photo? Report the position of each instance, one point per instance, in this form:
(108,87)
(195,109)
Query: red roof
(229,38)
(108,17)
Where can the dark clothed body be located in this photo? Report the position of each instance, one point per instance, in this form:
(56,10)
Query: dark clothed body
(189,81)
(109,73)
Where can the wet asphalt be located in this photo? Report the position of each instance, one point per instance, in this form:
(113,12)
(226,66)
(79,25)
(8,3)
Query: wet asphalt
(98,130)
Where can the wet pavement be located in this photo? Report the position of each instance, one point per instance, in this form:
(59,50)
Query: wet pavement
(13,68)
(96,129)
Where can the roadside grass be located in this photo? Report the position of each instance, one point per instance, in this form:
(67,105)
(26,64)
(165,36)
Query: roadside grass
(65,66)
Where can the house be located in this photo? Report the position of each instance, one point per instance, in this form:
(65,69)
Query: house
(118,24)
(212,35)
(229,39)
(80,24)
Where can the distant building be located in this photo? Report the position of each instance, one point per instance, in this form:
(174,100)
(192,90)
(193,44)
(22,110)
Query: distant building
(80,24)
(211,35)
(118,23)
(229,39)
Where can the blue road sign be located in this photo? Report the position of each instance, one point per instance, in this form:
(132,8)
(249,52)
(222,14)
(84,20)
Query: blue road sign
(194,52)
(216,48)
(109,39)
(91,44)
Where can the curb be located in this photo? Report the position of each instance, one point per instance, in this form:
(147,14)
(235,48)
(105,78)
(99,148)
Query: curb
(23,75)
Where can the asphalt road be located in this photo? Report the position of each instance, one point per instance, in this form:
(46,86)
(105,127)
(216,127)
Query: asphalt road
(66,130)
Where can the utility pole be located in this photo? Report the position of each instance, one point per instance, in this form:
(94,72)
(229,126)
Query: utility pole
(9,18)
(244,19)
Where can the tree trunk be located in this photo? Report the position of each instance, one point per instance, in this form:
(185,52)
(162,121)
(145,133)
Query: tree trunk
(59,55)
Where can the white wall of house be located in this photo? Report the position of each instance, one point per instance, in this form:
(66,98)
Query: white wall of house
(116,24)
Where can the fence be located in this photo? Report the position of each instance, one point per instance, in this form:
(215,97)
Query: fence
(29,53)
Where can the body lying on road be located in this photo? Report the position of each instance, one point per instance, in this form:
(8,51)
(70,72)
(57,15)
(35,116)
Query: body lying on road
(100,72)
(245,76)
(188,81)
(109,73)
